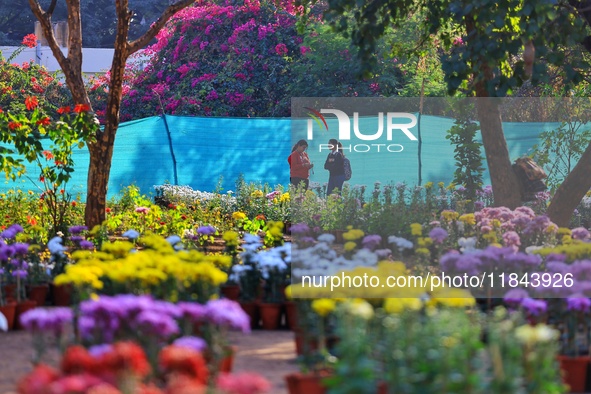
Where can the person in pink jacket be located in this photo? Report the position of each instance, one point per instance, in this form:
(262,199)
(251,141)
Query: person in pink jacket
(299,165)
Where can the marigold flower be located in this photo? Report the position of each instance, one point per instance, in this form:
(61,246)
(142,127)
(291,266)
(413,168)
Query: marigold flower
(238,215)
(323,306)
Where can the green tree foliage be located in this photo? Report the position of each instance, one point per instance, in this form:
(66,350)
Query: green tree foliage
(316,76)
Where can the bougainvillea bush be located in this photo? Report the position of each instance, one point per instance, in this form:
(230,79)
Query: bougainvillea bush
(226,60)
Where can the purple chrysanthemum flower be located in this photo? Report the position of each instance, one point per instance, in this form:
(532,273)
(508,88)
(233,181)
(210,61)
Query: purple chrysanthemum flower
(19,274)
(580,233)
(438,235)
(193,312)
(578,303)
(43,320)
(534,307)
(371,241)
(511,238)
(228,313)
(300,228)
(85,244)
(193,343)
(98,350)
(156,323)
(206,230)
(75,230)
(515,297)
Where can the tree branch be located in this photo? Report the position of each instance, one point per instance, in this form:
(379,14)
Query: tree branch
(44,19)
(51,7)
(142,41)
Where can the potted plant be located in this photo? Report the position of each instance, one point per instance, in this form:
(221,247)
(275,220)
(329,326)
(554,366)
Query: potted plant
(574,357)
(7,307)
(61,294)
(248,276)
(231,288)
(316,361)
(38,278)
(274,267)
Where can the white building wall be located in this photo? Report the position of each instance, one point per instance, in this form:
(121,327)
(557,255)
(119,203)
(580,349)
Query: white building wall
(94,60)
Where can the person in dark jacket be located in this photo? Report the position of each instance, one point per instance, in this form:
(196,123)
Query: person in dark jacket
(334,165)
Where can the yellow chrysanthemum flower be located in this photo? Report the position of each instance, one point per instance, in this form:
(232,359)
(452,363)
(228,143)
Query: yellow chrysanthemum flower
(238,215)
(468,218)
(399,305)
(323,306)
(416,229)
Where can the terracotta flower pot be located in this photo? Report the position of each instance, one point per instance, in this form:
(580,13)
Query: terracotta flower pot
(252,310)
(291,315)
(574,371)
(231,292)
(298,383)
(21,308)
(61,295)
(38,293)
(9,291)
(227,362)
(270,315)
(9,311)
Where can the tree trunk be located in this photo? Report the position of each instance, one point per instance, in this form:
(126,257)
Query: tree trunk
(101,151)
(505,186)
(98,179)
(504,182)
(570,193)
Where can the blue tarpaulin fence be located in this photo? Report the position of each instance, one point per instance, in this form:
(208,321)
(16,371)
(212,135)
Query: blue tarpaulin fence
(198,151)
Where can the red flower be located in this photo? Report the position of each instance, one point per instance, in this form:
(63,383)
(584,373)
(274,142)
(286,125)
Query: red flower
(184,361)
(81,108)
(30,40)
(64,110)
(48,155)
(260,217)
(107,210)
(182,384)
(171,206)
(125,357)
(42,178)
(38,380)
(31,220)
(74,203)
(76,359)
(14,125)
(31,102)
(44,121)
(184,217)
(243,383)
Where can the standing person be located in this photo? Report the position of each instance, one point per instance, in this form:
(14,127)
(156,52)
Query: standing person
(299,165)
(334,165)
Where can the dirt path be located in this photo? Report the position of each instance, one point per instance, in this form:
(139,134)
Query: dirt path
(269,353)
